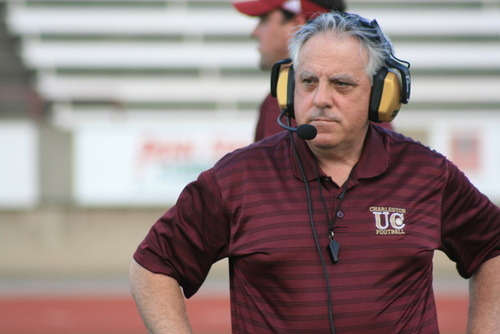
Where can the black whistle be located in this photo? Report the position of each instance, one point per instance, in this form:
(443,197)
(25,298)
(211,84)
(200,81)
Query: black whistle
(333,248)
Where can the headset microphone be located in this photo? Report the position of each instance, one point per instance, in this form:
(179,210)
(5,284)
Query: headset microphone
(304,131)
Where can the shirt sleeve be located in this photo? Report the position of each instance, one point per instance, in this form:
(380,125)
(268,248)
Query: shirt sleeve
(470,226)
(189,237)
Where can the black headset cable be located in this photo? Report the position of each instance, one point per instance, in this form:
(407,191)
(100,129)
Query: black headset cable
(318,246)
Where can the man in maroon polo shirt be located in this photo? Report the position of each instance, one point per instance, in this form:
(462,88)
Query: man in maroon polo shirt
(334,234)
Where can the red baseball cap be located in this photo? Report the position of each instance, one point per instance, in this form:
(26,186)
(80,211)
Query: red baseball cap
(308,8)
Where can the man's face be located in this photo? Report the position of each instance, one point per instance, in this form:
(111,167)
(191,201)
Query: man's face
(332,90)
(273,33)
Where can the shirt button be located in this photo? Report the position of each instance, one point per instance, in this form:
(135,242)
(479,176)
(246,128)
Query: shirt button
(340,214)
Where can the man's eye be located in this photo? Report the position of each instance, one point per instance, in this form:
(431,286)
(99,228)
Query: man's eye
(264,18)
(342,83)
(307,82)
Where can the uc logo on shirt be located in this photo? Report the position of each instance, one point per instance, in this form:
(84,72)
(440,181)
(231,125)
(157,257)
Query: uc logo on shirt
(388,220)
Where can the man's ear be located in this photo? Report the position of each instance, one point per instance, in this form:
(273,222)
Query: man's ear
(296,23)
(300,19)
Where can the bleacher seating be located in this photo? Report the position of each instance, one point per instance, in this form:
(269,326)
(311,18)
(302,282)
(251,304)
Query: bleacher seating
(165,53)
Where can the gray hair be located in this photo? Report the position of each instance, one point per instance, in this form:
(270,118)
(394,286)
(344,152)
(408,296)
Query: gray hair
(369,35)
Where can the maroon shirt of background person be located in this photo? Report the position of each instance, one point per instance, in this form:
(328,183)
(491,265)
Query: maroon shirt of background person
(403,202)
(267,123)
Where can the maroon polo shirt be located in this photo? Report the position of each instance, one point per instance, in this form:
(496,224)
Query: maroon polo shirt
(267,124)
(403,202)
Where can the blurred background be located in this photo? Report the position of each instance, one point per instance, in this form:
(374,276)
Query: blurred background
(109,108)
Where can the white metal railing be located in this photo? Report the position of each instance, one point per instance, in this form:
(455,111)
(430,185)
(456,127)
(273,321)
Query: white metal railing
(204,22)
(427,89)
(195,51)
(146,55)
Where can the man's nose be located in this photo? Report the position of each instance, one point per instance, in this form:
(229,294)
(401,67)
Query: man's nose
(323,96)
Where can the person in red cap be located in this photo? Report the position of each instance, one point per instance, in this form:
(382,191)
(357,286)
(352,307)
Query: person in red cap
(278,19)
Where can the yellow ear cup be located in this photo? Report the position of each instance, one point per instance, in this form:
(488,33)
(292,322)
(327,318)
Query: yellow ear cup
(390,102)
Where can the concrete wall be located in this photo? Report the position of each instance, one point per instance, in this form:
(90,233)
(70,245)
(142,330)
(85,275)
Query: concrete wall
(67,242)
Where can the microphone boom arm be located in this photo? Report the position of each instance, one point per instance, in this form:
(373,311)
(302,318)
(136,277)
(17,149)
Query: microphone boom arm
(304,131)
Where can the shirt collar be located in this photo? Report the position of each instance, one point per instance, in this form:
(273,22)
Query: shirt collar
(373,161)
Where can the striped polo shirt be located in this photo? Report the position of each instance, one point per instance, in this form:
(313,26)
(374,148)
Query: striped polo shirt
(403,202)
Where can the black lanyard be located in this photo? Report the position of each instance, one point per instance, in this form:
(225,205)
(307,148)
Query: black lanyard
(334,246)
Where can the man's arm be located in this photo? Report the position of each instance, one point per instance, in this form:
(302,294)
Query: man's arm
(159,300)
(484,300)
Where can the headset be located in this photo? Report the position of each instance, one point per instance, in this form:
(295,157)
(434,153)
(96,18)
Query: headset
(387,94)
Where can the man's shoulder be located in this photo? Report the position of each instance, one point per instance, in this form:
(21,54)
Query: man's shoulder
(397,142)
(270,148)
